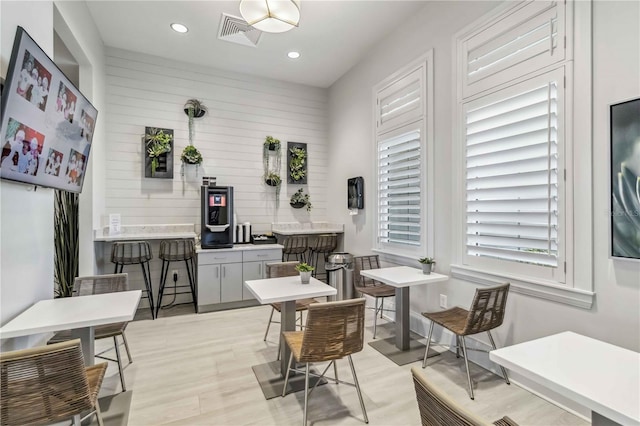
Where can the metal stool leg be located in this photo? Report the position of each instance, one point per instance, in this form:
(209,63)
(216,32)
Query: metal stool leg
(146,273)
(163,281)
(466,364)
(191,286)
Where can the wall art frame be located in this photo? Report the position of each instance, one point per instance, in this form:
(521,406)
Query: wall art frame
(624,127)
(152,142)
(297,161)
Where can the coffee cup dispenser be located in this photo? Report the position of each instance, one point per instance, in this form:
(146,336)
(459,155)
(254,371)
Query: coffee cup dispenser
(217,217)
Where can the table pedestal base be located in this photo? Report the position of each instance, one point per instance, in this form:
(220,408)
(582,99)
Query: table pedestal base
(271,381)
(387,347)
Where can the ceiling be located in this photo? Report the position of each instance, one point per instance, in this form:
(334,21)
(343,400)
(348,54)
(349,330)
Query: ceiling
(332,37)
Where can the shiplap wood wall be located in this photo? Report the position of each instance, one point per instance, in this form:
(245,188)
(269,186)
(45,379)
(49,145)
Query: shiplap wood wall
(145,90)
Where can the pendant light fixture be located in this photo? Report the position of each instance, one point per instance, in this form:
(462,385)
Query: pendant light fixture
(271,16)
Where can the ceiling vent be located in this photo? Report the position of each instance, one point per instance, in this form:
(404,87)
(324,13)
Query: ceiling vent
(236,30)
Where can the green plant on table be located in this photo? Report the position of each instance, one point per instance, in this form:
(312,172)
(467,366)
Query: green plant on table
(304,267)
(427,260)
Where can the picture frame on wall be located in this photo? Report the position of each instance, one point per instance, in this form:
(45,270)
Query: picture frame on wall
(157,148)
(625,179)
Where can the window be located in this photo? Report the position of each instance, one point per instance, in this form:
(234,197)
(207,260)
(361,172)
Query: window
(512,114)
(403,112)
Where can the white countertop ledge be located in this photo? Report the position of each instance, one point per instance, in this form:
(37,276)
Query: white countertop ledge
(240,247)
(307,228)
(148,232)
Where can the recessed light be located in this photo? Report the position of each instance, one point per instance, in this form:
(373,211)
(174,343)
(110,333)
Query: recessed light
(293,55)
(179,28)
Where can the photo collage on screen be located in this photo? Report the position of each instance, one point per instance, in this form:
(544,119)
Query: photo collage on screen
(23,148)
(34,81)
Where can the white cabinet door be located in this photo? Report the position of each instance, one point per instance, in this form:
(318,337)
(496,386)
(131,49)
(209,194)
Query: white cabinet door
(251,271)
(208,284)
(231,282)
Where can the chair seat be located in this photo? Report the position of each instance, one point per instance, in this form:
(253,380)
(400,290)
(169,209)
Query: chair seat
(301,305)
(294,341)
(505,421)
(101,332)
(454,319)
(379,290)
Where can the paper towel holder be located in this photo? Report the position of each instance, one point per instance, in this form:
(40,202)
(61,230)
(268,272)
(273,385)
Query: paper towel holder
(355,193)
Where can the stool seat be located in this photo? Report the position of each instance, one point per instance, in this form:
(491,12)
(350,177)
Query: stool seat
(178,250)
(135,253)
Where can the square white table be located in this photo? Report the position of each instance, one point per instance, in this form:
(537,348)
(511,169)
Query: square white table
(603,377)
(402,278)
(79,314)
(285,290)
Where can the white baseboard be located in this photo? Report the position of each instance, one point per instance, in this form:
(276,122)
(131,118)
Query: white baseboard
(420,325)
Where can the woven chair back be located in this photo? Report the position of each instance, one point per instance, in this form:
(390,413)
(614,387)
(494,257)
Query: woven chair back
(333,330)
(295,245)
(131,252)
(43,385)
(325,243)
(362,263)
(177,250)
(437,409)
(282,269)
(100,284)
(487,309)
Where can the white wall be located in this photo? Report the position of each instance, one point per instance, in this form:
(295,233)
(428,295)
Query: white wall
(26,216)
(76,28)
(149,91)
(615,315)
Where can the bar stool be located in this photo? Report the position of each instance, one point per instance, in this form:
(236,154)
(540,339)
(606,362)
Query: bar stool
(135,253)
(295,246)
(324,245)
(177,251)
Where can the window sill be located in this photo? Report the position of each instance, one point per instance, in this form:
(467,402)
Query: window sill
(397,258)
(540,289)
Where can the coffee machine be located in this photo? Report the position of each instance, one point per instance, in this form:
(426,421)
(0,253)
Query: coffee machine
(217,217)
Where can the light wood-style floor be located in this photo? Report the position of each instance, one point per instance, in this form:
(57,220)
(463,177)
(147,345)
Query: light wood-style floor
(196,370)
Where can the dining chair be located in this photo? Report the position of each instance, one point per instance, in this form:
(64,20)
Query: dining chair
(486,313)
(100,284)
(285,269)
(438,409)
(334,330)
(371,287)
(48,384)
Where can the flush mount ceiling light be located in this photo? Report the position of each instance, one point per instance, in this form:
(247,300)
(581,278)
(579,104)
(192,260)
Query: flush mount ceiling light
(293,55)
(271,16)
(179,28)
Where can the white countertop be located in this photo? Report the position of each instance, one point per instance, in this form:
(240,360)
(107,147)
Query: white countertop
(73,312)
(240,247)
(148,232)
(283,289)
(307,228)
(403,276)
(598,375)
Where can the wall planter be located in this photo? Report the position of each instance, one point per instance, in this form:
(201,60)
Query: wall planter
(157,146)
(299,200)
(297,163)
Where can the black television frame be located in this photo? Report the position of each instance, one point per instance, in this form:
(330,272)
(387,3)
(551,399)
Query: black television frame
(21,45)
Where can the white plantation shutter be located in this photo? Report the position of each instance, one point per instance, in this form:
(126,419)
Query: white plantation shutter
(527,38)
(399,181)
(512,174)
(400,102)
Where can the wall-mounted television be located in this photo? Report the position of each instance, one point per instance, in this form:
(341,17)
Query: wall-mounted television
(47,125)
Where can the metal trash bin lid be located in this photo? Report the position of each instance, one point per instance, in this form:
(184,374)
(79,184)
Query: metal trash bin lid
(340,258)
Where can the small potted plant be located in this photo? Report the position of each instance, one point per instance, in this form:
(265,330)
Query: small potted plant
(191,155)
(427,264)
(305,272)
(271,143)
(273,179)
(300,199)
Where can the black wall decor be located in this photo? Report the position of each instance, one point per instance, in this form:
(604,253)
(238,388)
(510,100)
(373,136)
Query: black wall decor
(157,148)
(355,193)
(297,158)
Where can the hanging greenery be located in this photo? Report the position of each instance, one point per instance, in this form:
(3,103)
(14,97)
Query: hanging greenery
(271,159)
(157,142)
(299,200)
(194,109)
(66,242)
(297,167)
(191,155)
